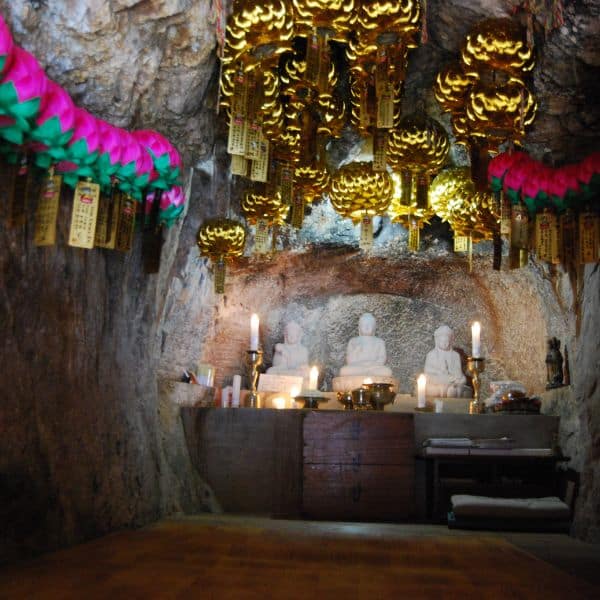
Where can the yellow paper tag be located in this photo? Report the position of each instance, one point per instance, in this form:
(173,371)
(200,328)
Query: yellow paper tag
(366,233)
(364,116)
(461,243)
(126,224)
(219,275)
(546,236)
(83,217)
(46,212)
(588,237)
(253,139)
(239,165)
(380,141)
(414,235)
(519,231)
(286,183)
(298,209)
(567,237)
(385,109)
(108,220)
(259,169)
(261,237)
(505,215)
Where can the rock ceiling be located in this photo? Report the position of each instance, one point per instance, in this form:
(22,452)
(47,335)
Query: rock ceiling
(152,63)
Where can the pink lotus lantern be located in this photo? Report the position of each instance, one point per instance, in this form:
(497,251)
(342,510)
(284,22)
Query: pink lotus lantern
(165,157)
(499,165)
(109,153)
(82,151)
(136,169)
(515,176)
(54,125)
(21,90)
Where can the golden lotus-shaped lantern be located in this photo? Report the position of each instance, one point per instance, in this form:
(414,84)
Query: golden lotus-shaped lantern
(296,84)
(488,99)
(499,44)
(454,199)
(334,16)
(386,21)
(320,21)
(358,190)
(258,31)
(264,211)
(500,112)
(257,207)
(404,210)
(451,87)
(417,150)
(310,182)
(221,239)
(420,144)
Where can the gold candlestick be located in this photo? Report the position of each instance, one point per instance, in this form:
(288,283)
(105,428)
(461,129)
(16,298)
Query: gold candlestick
(254,359)
(476,366)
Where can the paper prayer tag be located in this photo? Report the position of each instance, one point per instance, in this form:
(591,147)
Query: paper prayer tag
(85,212)
(366,233)
(126,224)
(46,212)
(108,220)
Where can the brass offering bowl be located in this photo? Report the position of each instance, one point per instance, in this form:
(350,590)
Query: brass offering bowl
(380,394)
(361,398)
(345,398)
(311,401)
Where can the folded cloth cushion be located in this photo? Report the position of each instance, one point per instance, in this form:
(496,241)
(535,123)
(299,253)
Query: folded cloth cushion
(551,507)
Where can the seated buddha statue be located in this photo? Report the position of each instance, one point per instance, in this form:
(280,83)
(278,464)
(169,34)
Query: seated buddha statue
(365,354)
(291,357)
(443,369)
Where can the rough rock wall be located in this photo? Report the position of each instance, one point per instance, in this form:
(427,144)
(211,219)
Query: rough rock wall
(587,398)
(86,445)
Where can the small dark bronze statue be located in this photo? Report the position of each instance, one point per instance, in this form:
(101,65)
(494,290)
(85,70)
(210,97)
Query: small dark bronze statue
(554,364)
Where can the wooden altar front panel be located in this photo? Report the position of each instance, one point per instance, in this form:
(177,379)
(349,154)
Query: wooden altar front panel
(358,466)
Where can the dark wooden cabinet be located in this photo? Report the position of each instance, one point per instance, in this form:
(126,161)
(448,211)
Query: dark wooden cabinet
(358,466)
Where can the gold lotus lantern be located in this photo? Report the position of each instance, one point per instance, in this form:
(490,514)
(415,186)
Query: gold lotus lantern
(221,239)
(320,21)
(489,101)
(358,192)
(498,44)
(417,149)
(258,32)
(470,213)
(451,88)
(310,182)
(263,212)
(406,212)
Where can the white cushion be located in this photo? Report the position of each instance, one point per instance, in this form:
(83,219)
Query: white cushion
(465,505)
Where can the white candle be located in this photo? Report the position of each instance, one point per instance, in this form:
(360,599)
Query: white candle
(225,396)
(237,385)
(313,379)
(476,340)
(421,383)
(294,391)
(254,322)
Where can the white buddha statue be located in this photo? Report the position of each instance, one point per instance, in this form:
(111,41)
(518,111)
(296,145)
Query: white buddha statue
(443,369)
(365,354)
(291,357)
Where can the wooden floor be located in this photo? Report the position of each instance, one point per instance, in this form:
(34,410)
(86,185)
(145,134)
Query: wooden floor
(235,557)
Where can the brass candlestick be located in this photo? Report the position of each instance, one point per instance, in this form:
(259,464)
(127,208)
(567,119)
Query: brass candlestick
(475,366)
(254,359)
